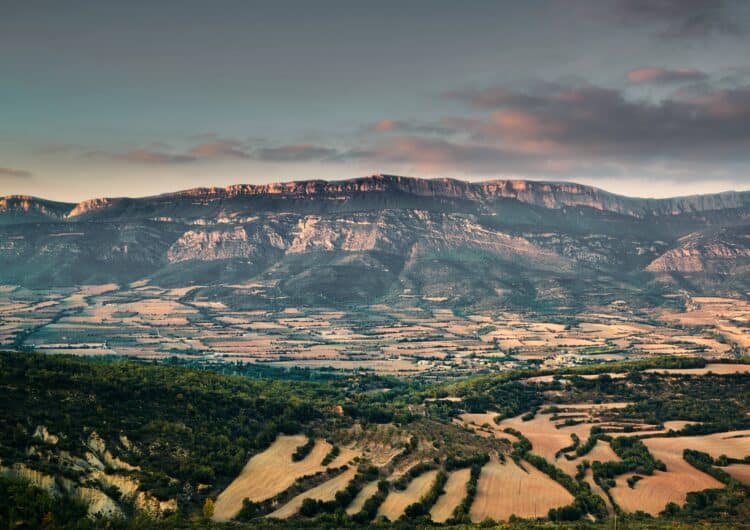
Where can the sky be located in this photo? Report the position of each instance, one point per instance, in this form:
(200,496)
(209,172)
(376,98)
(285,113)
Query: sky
(110,98)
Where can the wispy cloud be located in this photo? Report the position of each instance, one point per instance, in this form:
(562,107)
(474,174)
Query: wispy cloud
(572,129)
(296,153)
(409,126)
(145,156)
(8,172)
(664,76)
(220,149)
(682,19)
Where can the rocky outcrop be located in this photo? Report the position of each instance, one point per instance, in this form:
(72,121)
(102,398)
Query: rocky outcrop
(153,506)
(226,243)
(238,201)
(24,208)
(699,253)
(89,205)
(100,455)
(41,433)
(37,478)
(98,502)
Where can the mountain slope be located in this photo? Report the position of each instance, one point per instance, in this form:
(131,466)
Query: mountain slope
(375,238)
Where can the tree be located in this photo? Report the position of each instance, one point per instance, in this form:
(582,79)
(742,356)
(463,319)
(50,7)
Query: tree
(208,508)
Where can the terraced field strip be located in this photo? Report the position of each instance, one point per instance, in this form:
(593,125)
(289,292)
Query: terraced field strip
(504,489)
(739,471)
(365,493)
(395,504)
(269,473)
(546,439)
(323,492)
(714,368)
(652,493)
(455,491)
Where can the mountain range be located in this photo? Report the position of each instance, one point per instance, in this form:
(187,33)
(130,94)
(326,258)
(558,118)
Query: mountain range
(526,244)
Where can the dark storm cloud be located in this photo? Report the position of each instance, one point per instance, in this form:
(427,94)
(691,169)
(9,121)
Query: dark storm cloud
(7,172)
(665,76)
(683,18)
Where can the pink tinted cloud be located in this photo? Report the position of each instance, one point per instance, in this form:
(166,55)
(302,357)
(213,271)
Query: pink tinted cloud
(14,173)
(385,125)
(296,153)
(665,76)
(220,149)
(145,156)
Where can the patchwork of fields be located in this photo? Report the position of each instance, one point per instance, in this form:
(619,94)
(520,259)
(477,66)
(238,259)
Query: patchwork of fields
(421,337)
(506,486)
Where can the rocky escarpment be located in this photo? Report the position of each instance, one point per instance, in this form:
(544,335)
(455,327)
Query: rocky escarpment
(539,193)
(217,244)
(23,208)
(722,253)
(387,234)
(105,483)
(236,201)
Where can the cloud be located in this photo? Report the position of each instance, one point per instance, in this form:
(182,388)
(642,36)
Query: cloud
(554,129)
(410,126)
(663,76)
(14,173)
(145,156)
(595,121)
(296,153)
(220,149)
(438,155)
(682,19)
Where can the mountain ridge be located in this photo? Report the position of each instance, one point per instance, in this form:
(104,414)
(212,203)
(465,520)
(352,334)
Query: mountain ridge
(546,194)
(376,238)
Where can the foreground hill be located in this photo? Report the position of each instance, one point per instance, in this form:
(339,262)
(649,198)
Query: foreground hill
(373,239)
(661,442)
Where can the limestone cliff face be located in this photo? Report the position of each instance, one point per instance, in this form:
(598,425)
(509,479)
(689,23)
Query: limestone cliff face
(103,482)
(399,232)
(544,194)
(698,253)
(231,242)
(23,207)
(89,205)
(231,201)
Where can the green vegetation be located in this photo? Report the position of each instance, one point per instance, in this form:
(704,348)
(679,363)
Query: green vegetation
(461,512)
(421,508)
(331,456)
(370,508)
(635,456)
(728,503)
(33,507)
(413,473)
(303,450)
(190,430)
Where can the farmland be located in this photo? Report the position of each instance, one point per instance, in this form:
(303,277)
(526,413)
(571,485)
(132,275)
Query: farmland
(650,437)
(416,338)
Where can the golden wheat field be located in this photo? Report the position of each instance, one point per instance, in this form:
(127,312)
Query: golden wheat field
(504,489)
(269,473)
(323,492)
(395,504)
(455,491)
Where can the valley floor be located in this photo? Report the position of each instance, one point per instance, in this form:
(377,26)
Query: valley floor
(419,337)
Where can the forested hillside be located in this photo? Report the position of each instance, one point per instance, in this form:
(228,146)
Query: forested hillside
(113,443)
